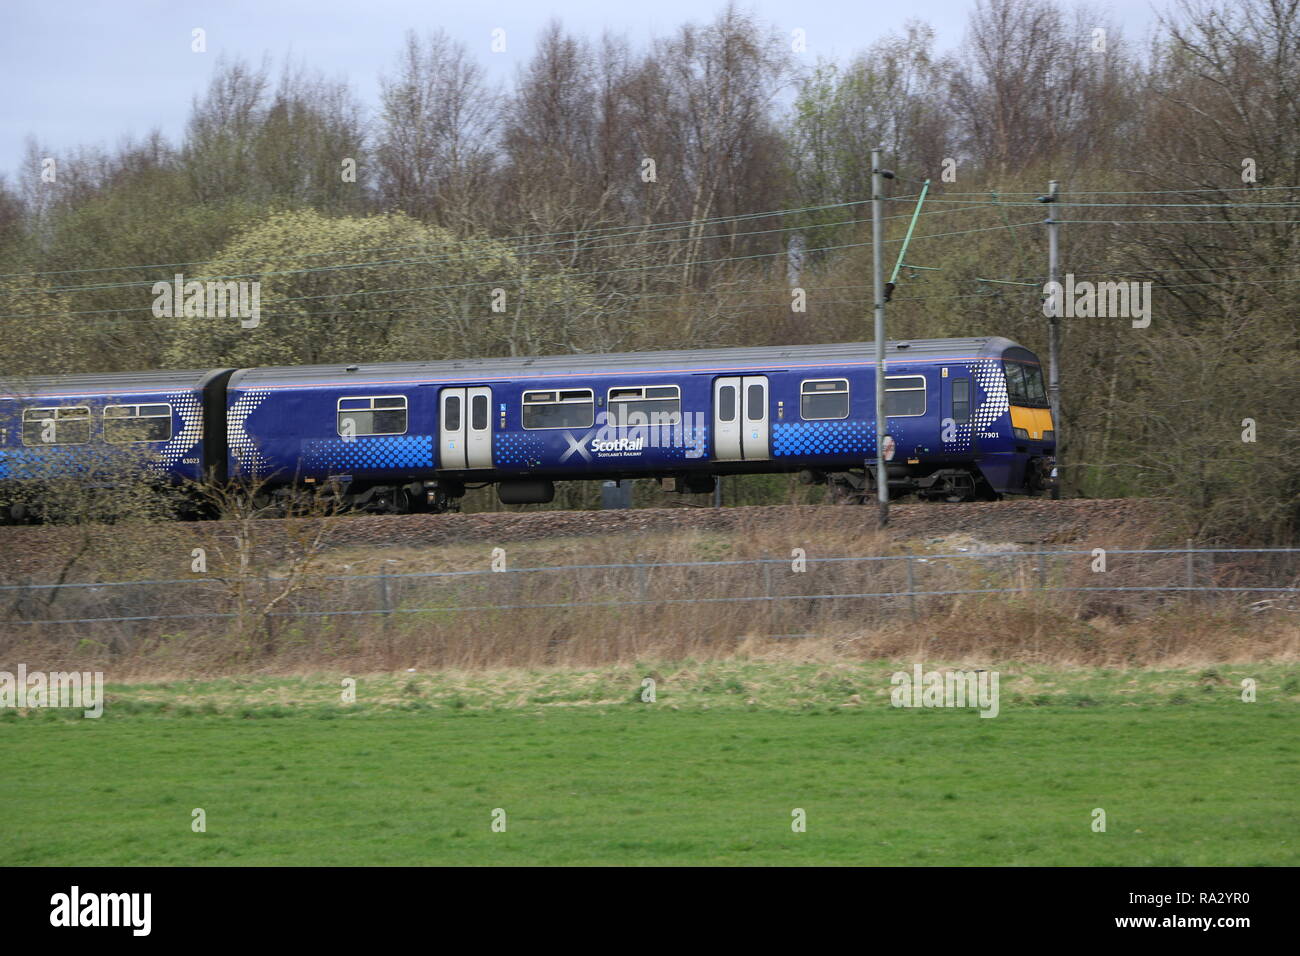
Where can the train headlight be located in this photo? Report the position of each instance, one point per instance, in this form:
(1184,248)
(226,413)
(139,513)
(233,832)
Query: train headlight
(1020,433)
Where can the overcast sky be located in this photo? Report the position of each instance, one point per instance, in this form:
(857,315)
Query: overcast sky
(91,72)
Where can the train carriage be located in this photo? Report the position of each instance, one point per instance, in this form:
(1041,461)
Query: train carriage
(101,426)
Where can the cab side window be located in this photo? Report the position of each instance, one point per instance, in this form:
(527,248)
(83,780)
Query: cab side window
(961,400)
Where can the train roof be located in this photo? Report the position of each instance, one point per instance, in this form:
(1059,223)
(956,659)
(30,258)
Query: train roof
(104,383)
(722,359)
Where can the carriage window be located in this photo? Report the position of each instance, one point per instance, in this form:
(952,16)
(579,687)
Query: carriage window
(824,399)
(727,403)
(56,426)
(372,415)
(136,423)
(904,395)
(754,406)
(645,405)
(961,400)
(568,408)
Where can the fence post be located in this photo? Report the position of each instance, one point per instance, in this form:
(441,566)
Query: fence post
(767,593)
(1191,573)
(384,603)
(911,589)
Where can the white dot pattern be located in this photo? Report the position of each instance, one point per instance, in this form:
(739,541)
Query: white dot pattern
(988,373)
(241,443)
(190,409)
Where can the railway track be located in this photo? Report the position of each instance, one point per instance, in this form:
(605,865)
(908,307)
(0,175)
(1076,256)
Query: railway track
(35,552)
(1028,521)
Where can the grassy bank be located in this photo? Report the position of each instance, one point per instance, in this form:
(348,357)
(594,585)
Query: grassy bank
(709,773)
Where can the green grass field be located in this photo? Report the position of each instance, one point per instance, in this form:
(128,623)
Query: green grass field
(708,774)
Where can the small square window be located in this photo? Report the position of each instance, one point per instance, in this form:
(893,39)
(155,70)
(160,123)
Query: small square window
(823,399)
(904,396)
(359,417)
(60,425)
(573,408)
(125,424)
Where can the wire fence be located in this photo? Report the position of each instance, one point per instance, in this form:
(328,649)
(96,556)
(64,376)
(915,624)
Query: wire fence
(792,590)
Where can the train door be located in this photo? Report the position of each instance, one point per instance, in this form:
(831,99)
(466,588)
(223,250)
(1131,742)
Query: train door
(753,438)
(465,428)
(478,434)
(956,405)
(740,418)
(726,419)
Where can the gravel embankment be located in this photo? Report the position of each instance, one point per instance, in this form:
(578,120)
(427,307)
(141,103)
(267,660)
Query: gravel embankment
(1028,521)
(44,554)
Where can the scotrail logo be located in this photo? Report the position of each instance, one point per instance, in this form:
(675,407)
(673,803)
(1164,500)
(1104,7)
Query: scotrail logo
(951,689)
(53,689)
(631,437)
(620,444)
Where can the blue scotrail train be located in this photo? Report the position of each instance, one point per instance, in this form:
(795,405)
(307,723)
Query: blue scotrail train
(965,419)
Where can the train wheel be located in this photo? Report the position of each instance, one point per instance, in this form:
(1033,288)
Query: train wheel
(441,503)
(844,494)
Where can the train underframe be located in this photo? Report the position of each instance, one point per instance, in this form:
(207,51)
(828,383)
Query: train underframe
(854,486)
(950,484)
(444,494)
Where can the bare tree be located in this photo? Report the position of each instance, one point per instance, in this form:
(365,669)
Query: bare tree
(721,80)
(221,137)
(287,142)
(437,116)
(891,96)
(248,549)
(1034,84)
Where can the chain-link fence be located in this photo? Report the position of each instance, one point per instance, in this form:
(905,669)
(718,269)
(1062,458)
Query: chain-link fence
(792,592)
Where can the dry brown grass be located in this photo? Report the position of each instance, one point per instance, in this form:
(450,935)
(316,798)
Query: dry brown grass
(990,630)
(680,613)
